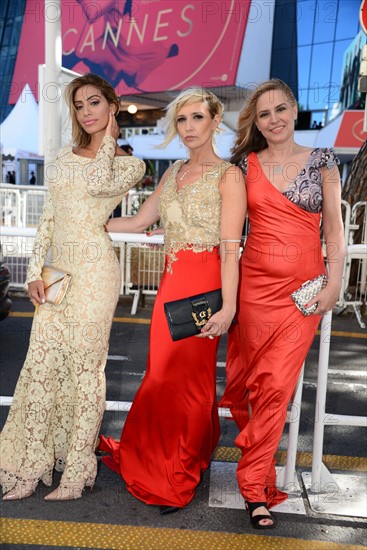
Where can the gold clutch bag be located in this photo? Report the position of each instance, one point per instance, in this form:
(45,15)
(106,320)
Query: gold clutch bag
(56,283)
(306,292)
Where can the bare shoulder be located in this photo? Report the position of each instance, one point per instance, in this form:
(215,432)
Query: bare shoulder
(303,152)
(232,174)
(304,149)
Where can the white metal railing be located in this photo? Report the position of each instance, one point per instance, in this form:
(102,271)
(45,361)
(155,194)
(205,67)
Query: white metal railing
(356,252)
(132,201)
(22,205)
(144,267)
(10,204)
(141,266)
(286,476)
(322,480)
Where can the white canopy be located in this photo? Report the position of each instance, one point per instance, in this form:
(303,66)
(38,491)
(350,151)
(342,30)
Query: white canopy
(19,131)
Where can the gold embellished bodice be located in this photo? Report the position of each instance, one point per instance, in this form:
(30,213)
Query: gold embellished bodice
(191,216)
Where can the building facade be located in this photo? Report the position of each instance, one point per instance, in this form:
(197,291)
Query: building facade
(313,45)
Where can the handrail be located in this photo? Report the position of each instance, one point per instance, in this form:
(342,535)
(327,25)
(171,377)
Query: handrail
(142,238)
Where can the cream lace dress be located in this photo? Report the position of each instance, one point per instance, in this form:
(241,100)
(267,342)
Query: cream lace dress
(60,396)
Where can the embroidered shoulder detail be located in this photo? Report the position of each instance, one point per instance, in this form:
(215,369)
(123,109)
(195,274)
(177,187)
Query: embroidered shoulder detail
(324,157)
(306,190)
(243,164)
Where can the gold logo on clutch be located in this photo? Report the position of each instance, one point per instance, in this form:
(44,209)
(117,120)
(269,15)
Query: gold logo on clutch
(202,317)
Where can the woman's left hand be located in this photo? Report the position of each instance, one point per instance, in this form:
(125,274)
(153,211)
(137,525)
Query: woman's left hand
(325,299)
(112,127)
(217,325)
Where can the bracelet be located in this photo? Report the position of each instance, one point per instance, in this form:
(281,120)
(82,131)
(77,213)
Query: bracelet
(230,240)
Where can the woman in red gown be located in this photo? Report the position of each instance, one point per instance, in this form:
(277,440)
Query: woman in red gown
(288,187)
(173,427)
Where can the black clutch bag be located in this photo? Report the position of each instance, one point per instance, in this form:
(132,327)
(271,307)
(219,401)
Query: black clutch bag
(186,317)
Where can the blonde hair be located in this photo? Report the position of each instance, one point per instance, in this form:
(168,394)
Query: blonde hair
(249,138)
(79,136)
(186,97)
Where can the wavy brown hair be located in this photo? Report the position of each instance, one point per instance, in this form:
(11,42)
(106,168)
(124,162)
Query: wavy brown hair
(249,138)
(80,136)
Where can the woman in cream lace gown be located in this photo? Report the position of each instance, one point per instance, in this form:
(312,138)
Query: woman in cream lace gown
(60,396)
(173,427)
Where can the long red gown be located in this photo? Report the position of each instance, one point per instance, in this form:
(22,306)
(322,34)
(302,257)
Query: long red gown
(173,425)
(267,346)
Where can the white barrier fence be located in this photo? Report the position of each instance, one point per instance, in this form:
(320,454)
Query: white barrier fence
(141,267)
(22,205)
(333,493)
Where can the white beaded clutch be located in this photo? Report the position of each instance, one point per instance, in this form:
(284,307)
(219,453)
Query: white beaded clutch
(306,292)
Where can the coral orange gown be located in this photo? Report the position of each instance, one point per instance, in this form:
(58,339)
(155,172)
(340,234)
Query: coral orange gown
(173,426)
(267,346)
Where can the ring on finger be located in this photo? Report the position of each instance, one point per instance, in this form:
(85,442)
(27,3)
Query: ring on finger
(211,337)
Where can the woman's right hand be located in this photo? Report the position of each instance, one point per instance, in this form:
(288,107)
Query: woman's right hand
(158,231)
(36,292)
(112,128)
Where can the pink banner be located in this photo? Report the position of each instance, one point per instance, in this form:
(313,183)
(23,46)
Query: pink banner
(139,45)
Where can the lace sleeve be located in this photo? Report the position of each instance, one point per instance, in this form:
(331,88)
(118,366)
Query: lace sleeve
(42,242)
(107,178)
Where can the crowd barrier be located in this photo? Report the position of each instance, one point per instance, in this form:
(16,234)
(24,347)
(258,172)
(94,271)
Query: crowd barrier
(141,267)
(22,205)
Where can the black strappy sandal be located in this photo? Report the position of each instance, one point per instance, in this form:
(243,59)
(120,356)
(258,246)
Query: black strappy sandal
(255,520)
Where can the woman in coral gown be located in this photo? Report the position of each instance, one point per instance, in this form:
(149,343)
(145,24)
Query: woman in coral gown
(59,400)
(173,427)
(288,187)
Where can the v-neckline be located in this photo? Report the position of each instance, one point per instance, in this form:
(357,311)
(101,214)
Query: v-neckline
(293,180)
